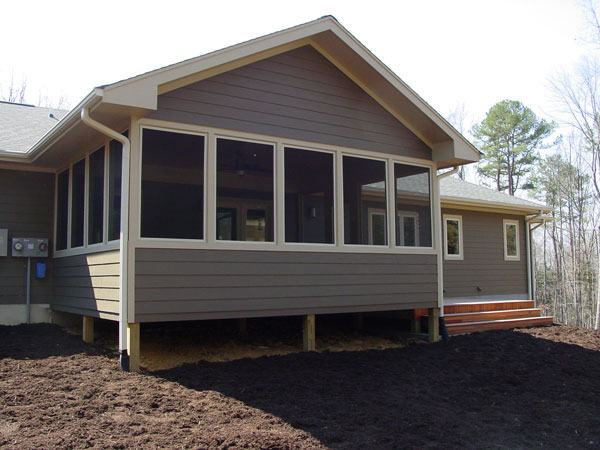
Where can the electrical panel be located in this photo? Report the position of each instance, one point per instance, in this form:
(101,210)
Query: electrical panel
(30,247)
(3,242)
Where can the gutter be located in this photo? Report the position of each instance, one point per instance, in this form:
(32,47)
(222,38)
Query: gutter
(541,219)
(124,245)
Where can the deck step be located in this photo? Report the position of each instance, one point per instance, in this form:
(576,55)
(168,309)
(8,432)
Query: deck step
(492,315)
(467,307)
(502,324)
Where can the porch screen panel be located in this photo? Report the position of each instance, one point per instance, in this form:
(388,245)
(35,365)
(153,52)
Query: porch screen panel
(245,193)
(115,158)
(309,194)
(96,197)
(172,185)
(413,205)
(62,210)
(365,206)
(78,204)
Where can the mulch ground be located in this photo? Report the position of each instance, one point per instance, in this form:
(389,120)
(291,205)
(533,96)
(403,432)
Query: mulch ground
(509,389)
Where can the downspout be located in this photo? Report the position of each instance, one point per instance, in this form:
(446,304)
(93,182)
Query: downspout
(528,230)
(443,330)
(123,279)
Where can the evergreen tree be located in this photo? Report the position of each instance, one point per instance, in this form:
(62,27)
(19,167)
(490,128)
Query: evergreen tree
(509,137)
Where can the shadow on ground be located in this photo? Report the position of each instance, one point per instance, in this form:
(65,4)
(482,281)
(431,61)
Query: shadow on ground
(494,389)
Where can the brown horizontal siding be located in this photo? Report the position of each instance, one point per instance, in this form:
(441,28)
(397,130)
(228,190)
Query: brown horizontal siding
(203,284)
(298,94)
(88,284)
(483,265)
(26,210)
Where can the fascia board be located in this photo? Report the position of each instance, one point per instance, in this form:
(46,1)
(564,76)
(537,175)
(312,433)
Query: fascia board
(145,92)
(463,202)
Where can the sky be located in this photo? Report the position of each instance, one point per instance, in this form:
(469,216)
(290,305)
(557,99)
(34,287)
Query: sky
(452,53)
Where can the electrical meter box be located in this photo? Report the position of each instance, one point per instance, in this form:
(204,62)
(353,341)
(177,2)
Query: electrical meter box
(3,242)
(30,247)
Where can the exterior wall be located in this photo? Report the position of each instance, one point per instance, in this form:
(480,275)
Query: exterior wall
(299,95)
(26,210)
(213,284)
(483,265)
(88,284)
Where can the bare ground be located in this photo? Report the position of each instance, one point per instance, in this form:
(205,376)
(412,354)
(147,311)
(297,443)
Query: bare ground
(510,389)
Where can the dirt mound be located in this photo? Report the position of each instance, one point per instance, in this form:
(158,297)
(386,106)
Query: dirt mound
(495,389)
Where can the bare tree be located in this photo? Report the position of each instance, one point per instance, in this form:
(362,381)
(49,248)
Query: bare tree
(15,92)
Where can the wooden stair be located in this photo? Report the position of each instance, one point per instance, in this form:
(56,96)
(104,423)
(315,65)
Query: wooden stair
(467,317)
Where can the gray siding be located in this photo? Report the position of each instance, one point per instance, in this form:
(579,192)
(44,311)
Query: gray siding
(26,200)
(484,265)
(88,284)
(298,94)
(213,284)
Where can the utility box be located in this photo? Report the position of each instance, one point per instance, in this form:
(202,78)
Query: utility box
(29,247)
(3,242)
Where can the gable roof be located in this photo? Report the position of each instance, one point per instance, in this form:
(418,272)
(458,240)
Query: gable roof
(454,191)
(22,125)
(114,103)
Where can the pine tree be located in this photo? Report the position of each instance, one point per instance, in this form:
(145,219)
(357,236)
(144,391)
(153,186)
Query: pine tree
(510,136)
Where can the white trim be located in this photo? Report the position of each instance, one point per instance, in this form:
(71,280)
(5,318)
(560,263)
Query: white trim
(516,223)
(460,256)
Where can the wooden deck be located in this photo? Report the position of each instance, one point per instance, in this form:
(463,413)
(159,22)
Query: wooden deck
(469,317)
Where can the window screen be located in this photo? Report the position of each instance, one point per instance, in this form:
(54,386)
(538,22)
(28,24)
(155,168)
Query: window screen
(172,185)
(96,197)
(78,204)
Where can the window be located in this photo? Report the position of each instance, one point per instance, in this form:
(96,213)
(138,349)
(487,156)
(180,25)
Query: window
(309,194)
(453,237)
(364,189)
(245,192)
(511,240)
(62,210)
(407,229)
(413,206)
(115,161)
(96,197)
(78,204)
(172,185)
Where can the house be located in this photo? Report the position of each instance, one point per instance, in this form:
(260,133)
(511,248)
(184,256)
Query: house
(293,174)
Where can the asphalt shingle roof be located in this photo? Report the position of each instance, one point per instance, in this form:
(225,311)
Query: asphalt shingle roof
(455,188)
(21,126)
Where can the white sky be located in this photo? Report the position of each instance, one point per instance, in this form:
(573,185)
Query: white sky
(455,52)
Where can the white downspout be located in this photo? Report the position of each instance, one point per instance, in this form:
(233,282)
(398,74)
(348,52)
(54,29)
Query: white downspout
(530,285)
(123,279)
(440,252)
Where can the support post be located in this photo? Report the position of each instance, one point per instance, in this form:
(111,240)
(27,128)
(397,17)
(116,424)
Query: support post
(308,333)
(242,326)
(415,321)
(88,329)
(133,346)
(359,322)
(433,320)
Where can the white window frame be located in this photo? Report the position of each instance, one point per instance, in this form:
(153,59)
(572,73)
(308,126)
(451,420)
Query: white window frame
(204,204)
(375,212)
(516,223)
(454,218)
(335,200)
(279,243)
(401,214)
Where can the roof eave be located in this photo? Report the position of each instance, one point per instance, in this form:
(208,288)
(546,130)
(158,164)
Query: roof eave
(458,201)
